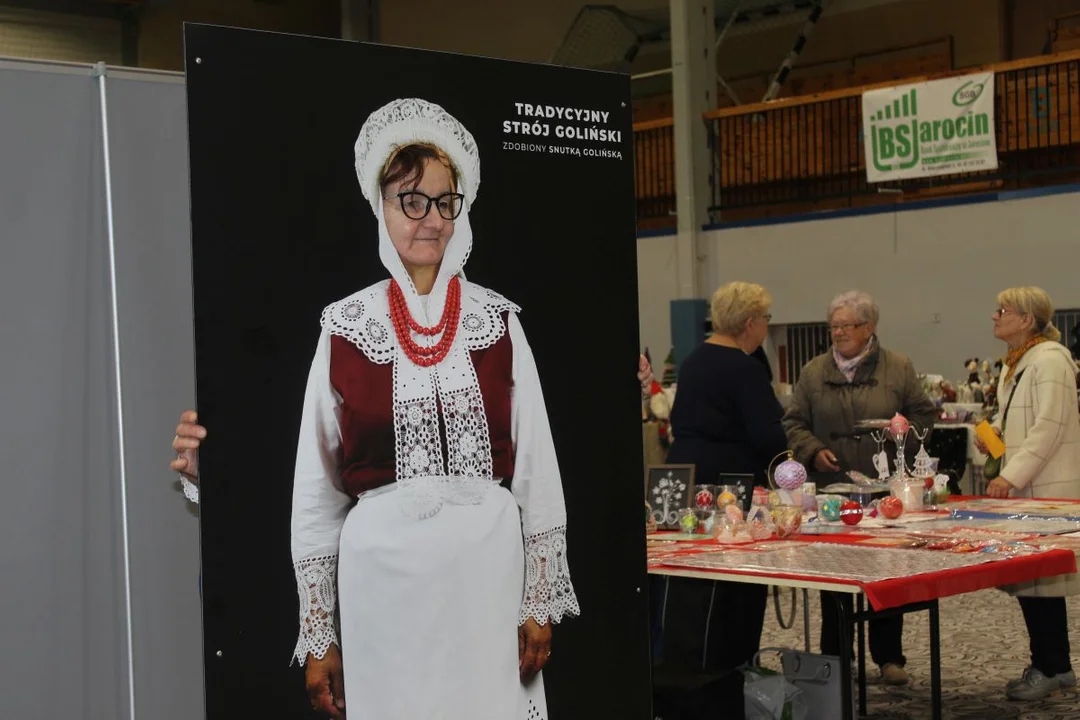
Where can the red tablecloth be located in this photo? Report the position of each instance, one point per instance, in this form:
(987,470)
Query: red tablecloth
(885,594)
(964,498)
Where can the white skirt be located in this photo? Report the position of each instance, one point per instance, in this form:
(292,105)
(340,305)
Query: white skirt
(429,612)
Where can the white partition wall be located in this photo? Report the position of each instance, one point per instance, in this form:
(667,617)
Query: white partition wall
(75,581)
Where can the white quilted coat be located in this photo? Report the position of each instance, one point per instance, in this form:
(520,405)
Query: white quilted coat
(1042,442)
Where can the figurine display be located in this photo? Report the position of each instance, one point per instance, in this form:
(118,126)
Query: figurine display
(924,464)
(948,392)
(659,401)
(974,382)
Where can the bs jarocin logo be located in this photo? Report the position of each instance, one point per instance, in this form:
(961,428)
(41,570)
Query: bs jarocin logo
(900,139)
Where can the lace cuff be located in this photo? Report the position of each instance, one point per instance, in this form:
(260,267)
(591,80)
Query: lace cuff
(316,584)
(549,594)
(191,490)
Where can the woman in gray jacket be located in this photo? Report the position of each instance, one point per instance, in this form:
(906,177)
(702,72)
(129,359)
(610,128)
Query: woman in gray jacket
(856,380)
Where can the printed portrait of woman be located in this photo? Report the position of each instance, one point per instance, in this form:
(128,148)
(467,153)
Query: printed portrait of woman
(423,400)
(389,307)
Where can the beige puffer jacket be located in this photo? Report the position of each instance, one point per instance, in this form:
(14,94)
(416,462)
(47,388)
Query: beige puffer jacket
(1042,441)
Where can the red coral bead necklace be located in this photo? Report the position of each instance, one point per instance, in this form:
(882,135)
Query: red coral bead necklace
(405,325)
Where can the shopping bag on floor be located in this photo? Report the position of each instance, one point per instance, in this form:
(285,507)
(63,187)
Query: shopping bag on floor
(818,679)
(810,689)
(768,695)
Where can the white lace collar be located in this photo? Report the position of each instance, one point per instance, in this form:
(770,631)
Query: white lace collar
(433,401)
(363,319)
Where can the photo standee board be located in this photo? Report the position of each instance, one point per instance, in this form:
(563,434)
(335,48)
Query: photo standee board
(280,229)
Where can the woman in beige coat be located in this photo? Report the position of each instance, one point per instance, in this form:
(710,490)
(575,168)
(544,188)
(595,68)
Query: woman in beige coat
(1041,428)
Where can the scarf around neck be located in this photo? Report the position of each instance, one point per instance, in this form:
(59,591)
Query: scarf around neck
(848,367)
(1013,358)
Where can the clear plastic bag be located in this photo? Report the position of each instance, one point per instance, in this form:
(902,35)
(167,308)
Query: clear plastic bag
(768,695)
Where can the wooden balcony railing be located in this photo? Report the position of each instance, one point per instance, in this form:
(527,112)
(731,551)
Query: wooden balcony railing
(654,171)
(808,152)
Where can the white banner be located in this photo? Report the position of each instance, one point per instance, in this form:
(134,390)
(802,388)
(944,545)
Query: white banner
(932,128)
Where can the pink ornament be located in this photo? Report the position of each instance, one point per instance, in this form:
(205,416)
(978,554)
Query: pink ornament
(899,426)
(851,512)
(789,475)
(891,507)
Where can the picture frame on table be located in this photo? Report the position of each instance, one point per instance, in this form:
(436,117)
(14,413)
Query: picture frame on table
(668,489)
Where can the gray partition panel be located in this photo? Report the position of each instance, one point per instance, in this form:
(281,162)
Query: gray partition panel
(62,599)
(61,547)
(148,152)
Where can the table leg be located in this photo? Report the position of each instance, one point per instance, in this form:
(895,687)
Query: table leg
(806,616)
(935,661)
(861,626)
(844,623)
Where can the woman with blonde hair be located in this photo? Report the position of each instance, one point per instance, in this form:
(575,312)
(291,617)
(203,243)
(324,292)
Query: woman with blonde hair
(726,419)
(1041,429)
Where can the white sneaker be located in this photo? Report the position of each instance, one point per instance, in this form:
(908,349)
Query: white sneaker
(1067,680)
(1034,686)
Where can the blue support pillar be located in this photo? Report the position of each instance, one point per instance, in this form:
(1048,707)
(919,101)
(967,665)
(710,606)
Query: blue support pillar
(688,319)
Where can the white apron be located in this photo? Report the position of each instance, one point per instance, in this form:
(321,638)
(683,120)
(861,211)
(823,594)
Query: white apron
(430,612)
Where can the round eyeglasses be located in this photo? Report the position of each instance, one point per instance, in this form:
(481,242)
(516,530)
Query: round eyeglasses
(416,205)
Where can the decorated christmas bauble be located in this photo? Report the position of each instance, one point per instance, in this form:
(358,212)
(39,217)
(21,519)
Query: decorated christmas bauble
(788,520)
(829,508)
(851,512)
(688,522)
(899,425)
(789,475)
(704,498)
(891,507)
(725,498)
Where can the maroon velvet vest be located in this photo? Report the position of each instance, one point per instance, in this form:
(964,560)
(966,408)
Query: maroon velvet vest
(367,414)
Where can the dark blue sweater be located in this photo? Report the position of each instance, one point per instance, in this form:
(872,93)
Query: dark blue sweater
(726,418)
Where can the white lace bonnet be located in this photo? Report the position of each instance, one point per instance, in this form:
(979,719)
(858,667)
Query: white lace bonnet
(411,120)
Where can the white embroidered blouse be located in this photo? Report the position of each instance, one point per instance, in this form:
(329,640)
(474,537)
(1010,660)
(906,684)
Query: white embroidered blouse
(320,507)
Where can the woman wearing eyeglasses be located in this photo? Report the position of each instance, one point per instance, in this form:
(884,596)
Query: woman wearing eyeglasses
(428,509)
(856,380)
(1041,428)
